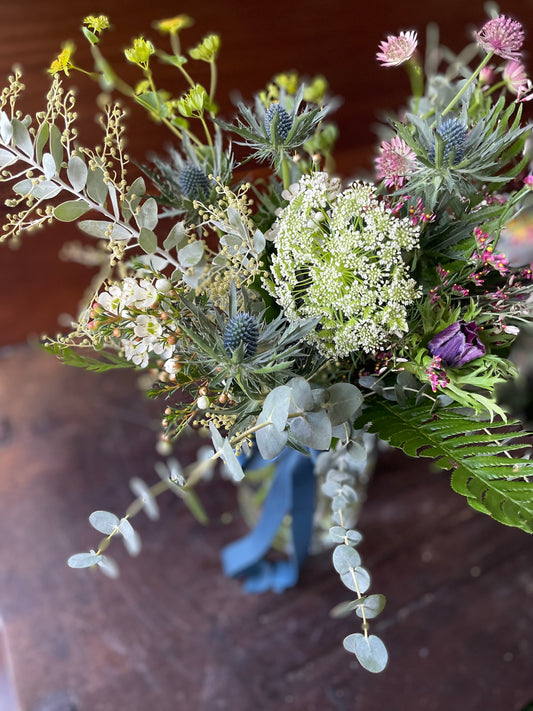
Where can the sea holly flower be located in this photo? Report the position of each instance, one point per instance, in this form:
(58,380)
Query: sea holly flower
(502,36)
(457,344)
(284,122)
(454,134)
(395,162)
(396,50)
(242,328)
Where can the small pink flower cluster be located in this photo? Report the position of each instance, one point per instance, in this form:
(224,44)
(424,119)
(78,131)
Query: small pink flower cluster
(486,253)
(436,374)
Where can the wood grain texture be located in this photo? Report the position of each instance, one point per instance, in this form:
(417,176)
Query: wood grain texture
(173,634)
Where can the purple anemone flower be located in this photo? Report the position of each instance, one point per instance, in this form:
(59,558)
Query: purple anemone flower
(457,344)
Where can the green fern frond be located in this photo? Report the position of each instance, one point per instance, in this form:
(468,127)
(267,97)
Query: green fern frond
(494,482)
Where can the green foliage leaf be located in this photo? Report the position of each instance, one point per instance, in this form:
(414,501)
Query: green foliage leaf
(176,236)
(104,229)
(493,482)
(43,190)
(6,158)
(312,429)
(56,147)
(191,254)
(372,605)
(96,187)
(49,166)
(142,491)
(147,216)
(131,538)
(70,210)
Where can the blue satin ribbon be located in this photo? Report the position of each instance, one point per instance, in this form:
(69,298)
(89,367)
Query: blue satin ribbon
(292,492)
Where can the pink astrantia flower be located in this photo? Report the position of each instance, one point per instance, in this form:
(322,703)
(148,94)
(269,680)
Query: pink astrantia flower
(515,76)
(395,162)
(502,36)
(396,50)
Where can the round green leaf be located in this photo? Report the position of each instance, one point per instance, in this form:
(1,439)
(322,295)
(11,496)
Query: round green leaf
(148,240)
(70,210)
(141,490)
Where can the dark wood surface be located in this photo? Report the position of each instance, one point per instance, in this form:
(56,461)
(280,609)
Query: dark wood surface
(172,633)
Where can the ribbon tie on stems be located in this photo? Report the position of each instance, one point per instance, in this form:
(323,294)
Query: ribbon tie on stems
(292,492)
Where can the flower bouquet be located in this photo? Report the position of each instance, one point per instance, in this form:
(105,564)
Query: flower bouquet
(296,319)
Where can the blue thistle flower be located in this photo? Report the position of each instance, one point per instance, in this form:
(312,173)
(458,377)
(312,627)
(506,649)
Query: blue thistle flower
(242,328)
(193,182)
(284,121)
(454,133)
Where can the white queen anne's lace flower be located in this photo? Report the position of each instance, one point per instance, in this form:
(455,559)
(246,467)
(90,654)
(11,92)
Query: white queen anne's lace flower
(338,257)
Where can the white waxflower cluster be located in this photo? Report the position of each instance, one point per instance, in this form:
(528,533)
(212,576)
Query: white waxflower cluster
(338,257)
(135,306)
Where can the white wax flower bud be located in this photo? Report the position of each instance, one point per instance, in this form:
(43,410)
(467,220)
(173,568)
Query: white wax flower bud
(202,403)
(163,286)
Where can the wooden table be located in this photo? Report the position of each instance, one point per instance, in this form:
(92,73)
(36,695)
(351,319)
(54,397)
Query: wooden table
(172,633)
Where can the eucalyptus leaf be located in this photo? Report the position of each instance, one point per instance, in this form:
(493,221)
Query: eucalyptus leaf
(104,521)
(130,536)
(337,534)
(276,408)
(371,653)
(301,395)
(83,560)
(270,442)
(77,173)
(343,609)
(345,558)
(70,210)
(312,430)
(343,402)
(362,577)
(108,566)
(373,605)
(142,491)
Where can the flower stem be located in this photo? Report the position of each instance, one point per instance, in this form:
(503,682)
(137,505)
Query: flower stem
(465,86)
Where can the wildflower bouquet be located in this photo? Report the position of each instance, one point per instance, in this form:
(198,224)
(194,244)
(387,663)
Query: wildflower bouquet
(291,316)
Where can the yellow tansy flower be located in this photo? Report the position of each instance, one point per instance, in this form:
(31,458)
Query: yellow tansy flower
(96,24)
(173,25)
(62,62)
